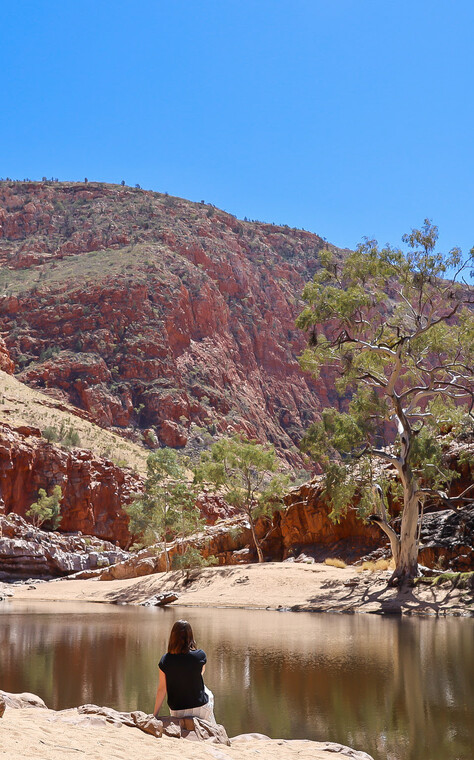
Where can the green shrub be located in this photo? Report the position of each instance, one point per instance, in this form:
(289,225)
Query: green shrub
(48,353)
(190,558)
(51,434)
(71,439)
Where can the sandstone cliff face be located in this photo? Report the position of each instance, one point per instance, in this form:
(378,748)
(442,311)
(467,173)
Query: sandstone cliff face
(152,312)
(93,488)
(6,363)
(305,526)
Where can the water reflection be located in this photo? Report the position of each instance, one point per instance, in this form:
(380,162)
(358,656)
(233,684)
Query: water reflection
(400,689)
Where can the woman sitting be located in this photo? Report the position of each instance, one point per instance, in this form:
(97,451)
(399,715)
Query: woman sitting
(180,677)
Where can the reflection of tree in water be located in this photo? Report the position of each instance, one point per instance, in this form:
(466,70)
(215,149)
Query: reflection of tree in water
(437,689)
(405,695)
(74,662)
(399,689)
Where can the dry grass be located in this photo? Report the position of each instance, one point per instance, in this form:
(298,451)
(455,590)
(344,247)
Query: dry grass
(333,562)
(67,273)
(373,566)
(20,405)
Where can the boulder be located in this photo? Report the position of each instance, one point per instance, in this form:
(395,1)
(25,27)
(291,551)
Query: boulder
(160,600)
(20,701)
(190,728)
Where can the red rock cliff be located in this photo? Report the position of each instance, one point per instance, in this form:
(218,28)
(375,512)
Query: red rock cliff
(6,363)
(93,488)
(153,312)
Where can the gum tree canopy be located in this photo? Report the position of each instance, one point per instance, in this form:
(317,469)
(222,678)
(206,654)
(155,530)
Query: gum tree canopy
(397,330)
(245,472)
(167,507)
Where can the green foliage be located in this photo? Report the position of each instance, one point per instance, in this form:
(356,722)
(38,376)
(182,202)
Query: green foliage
(167,508)
(68,437)
(71,439)
(426,458)
(47,509)
(243,471)
(191,558)
(456,580)
(399,340)
(51,434)
(49,352)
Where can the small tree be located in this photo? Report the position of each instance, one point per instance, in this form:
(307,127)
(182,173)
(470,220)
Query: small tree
(242,470)
(400,337)
(167,507)
(47,508)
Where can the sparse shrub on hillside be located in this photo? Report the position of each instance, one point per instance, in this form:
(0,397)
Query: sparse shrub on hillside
(71,439)
(120,462)
(68,437)
(48,353)
(51,434)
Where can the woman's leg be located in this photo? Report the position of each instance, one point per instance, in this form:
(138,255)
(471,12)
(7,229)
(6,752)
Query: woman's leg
(206,712)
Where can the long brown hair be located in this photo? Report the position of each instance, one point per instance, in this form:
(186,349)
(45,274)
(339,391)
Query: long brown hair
(181,638)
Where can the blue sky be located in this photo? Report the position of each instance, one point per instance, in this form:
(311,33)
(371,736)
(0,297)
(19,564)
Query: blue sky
(345,117)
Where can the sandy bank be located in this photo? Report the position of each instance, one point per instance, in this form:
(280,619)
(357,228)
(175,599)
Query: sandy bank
(45,735)
(272,585)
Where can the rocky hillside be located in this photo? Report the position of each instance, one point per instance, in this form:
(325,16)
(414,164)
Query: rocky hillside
(154,314)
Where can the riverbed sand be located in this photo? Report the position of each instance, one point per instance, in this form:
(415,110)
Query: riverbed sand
(273,585)
(39,734)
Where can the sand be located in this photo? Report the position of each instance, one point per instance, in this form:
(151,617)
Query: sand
(39,734)
(273,585)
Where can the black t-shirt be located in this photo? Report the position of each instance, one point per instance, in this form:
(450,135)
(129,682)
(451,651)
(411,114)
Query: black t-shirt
(184,684)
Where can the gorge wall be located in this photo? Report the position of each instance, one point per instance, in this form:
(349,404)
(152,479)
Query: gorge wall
(93,488)
(152,312)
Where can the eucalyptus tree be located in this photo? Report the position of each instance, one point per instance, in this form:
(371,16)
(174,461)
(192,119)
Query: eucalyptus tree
(167,507)
(396,329)
(246,474)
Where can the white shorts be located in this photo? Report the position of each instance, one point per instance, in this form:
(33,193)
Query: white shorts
(206,712)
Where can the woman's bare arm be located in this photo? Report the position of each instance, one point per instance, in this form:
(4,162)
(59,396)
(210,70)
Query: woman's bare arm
(160,693)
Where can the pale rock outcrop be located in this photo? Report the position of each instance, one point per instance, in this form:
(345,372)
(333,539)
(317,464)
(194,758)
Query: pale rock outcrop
(26,552)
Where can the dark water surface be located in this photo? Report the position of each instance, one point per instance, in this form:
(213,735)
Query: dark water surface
(398,689)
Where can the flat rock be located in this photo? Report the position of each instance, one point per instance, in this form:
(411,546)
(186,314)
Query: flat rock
(160,600)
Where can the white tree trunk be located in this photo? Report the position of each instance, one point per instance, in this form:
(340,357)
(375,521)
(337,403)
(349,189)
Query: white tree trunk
(255,539)
(407,565)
